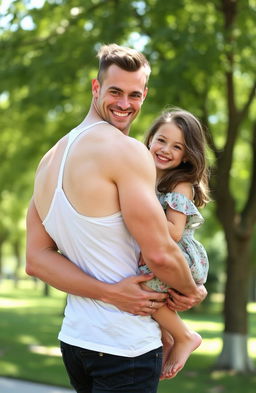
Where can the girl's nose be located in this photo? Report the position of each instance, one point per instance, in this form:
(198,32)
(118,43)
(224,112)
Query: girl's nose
(165,149)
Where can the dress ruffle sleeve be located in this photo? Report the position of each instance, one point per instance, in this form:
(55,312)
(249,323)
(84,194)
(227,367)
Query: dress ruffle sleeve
(193,250)
(181,203)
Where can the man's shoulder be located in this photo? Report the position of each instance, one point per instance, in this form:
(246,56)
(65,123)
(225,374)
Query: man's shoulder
(128,144)
(132,151)
(48,156)
(130,157)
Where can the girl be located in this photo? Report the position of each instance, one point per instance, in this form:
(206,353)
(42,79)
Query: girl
(177,143)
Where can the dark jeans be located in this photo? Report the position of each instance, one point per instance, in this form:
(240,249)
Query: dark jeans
(96,372)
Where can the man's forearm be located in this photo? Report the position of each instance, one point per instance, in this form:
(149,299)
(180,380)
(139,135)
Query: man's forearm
(171,267)
(56,270)
(44,262)
(127,295)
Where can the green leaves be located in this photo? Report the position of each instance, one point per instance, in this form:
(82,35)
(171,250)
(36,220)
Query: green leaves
(48,58)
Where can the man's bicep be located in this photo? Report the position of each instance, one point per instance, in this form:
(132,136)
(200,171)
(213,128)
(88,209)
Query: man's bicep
(141,209)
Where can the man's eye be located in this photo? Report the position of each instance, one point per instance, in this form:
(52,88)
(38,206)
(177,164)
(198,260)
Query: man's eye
(136,95)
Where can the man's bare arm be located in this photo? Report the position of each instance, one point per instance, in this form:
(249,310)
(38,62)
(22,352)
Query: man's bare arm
(44,262)
(146,220)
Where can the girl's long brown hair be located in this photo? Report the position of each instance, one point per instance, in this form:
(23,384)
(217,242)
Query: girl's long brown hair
(194,170)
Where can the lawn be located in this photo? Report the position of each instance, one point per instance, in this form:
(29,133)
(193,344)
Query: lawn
(29,325)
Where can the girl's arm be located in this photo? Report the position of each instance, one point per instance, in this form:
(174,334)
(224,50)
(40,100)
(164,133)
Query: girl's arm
(176,225)
(177,220)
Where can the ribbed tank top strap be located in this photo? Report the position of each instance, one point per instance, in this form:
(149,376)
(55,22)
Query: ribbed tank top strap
(71,138)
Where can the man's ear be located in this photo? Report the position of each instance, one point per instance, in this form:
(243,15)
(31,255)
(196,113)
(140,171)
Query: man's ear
(95,88)
(145,93)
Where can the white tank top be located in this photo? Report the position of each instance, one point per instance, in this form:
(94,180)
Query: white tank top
(103,248)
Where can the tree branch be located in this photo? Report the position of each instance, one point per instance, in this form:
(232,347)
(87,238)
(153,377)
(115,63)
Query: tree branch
(243,112)
(73,20)
(229,11)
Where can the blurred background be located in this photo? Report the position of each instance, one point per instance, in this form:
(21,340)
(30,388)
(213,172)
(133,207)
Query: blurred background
(203,59)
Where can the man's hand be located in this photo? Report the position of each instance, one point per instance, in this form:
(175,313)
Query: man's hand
(128,296)
(179,302)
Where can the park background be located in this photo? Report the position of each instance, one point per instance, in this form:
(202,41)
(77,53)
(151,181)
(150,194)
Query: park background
(203,58)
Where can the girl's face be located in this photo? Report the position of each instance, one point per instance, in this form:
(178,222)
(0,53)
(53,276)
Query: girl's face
(167,147)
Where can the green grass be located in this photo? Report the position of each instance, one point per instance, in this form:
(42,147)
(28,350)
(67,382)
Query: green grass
(29,324)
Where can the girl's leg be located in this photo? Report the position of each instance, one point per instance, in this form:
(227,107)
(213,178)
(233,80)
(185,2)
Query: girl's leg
(185,341)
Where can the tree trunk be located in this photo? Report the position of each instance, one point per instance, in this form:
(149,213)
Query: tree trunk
(234,355)
(252,294)
(3,237)
(46,290)
(17,253)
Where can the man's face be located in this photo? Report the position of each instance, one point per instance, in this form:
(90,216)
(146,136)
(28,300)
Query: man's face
(119,98)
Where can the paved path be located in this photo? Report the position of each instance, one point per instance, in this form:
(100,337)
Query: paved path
(8,385)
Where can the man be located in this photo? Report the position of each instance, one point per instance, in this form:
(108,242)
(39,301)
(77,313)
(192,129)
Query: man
(95,194)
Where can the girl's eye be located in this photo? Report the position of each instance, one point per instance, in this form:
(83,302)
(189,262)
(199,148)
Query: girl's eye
(160,140)
(177,147)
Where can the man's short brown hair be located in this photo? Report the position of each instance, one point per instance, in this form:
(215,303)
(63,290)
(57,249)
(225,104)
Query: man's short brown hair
(126,58)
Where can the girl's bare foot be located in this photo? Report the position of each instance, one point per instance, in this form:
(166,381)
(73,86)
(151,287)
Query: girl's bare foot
(168,342)
(167,347)
(179,354)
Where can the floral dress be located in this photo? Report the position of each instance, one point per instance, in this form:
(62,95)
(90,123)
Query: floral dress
(193,251)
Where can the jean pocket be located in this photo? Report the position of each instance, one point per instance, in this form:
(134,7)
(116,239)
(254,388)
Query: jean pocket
(114,372)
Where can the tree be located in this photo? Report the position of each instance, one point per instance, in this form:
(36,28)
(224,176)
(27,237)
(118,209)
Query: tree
(214,61)
(12,230)
(238,224)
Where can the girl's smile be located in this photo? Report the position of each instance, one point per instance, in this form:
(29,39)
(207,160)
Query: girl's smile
(167,147)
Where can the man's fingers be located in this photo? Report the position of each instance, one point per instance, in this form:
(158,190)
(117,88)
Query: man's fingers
(150,307)
(178,302)
(178,298)
(154,306)
(144,277)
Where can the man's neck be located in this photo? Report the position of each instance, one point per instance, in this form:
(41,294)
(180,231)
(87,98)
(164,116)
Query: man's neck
(94,116)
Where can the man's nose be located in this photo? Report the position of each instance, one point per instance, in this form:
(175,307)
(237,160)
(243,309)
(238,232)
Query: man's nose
(123,102)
